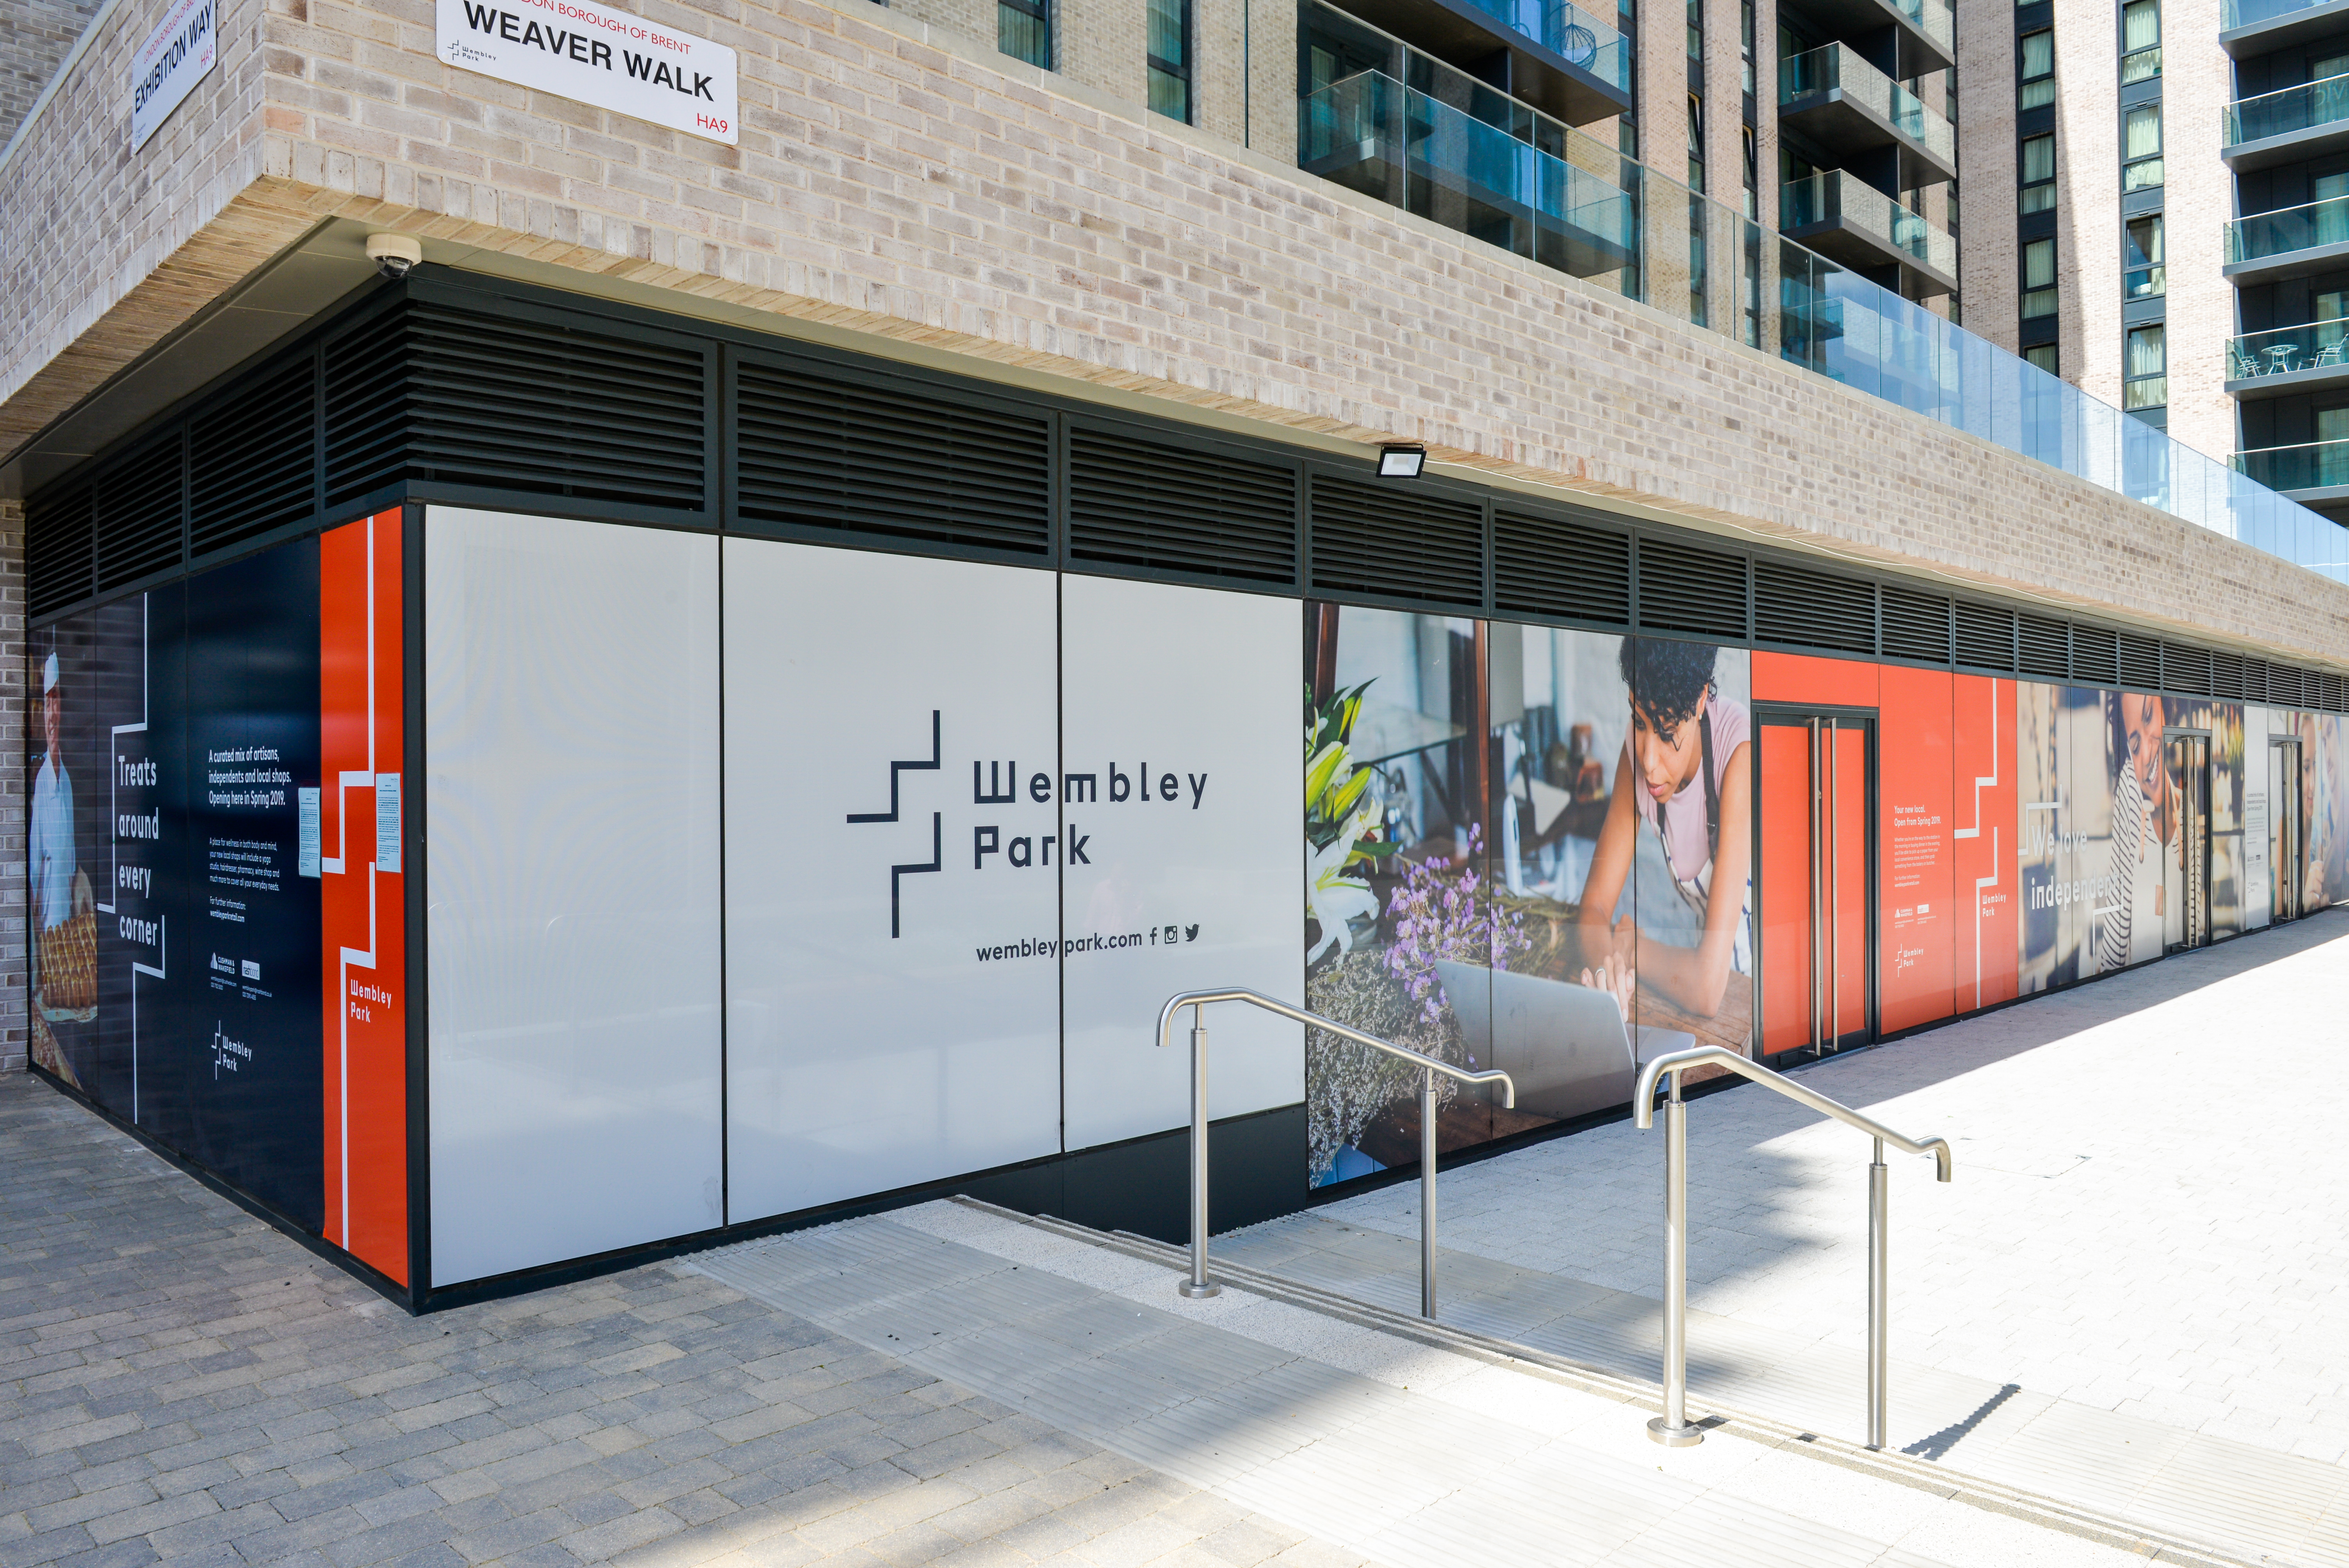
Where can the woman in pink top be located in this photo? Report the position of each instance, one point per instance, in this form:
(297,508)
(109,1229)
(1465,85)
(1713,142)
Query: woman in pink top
(1684,776)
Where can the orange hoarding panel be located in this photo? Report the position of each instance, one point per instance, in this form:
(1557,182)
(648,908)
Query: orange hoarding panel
(364,950)
(1800,677)
(1983,953)
(1918,912)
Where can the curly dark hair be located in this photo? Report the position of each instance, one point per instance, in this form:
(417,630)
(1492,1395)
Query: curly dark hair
(1669,681)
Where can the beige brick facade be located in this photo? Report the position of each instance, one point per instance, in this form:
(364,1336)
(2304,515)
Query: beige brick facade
(2196,78)
(38,34)
(915,189)
(1989,262)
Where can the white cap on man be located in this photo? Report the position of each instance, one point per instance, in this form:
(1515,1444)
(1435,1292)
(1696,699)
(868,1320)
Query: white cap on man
(50,675)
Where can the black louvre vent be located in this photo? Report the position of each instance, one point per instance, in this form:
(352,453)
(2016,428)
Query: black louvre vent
(2140,663)
(2185,669)
(1140,503)
(60,552)
(1916,625)
(1698,592)
(2226,676)
(251,461)
(525,406)
(1985,637)
(1813,609)
(2283,685)
(883,463)
(1550,566)
(2044,646)
(367,398)
(138,513)
(2332,693)
(1397,543)
(2255,680)
(2096,656)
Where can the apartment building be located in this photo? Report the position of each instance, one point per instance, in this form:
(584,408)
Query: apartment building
(525,514)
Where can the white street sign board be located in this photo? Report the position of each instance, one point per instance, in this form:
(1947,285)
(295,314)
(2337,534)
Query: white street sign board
(608,59)
(180,53)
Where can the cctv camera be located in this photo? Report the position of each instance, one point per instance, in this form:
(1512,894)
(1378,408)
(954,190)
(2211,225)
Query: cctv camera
(393,254)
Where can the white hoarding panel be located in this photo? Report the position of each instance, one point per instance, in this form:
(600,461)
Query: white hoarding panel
(2258,889)
(595,55)
(168,62)
(572,864)
(1184,811)
(892,838)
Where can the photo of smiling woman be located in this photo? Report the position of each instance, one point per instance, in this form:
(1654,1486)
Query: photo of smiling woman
(2144,830)
(1679,831)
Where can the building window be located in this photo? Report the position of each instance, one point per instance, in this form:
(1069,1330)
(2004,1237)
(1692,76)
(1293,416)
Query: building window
(2043,356)
(1023,30)
(1696,143)
(2038,181)
(2142,276)
(1170,58)
(2038,70)
(1745,40)
(2140,40)
(2147,369)
(2038,279)
(1696,29)
(1752,148)
(2141,147)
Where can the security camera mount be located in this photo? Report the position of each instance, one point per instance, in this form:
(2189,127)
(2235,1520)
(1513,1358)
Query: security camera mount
(393,254)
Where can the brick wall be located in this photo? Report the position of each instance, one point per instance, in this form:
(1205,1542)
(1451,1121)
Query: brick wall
(914,186)
(34,37)
(2196,85)
(2088,193)
(1988,264)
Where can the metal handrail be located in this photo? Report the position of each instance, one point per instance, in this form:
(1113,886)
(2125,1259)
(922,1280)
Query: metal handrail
(1199,1286)
(1672,1428)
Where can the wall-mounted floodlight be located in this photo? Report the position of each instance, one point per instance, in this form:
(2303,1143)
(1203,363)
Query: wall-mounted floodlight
(1401,460)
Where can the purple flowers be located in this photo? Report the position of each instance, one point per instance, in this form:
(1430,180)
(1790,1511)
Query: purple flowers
(1438,915)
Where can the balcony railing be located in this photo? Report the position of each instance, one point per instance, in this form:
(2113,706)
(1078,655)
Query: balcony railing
(2312,465)
(1568,30)
(1831,194)
(1836,66)
(1511,175)
(2265,235)
(2234,13)
(2280,113)
(2315,346)
(1934,18)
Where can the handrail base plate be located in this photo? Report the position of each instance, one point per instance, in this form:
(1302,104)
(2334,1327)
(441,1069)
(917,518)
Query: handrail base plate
(1199,1291)
(1686,1437)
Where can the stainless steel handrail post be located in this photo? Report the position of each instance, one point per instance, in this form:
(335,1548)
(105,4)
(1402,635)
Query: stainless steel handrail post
(1198,1285)
(1427,1195)
(1879,1292)
(1673,1427)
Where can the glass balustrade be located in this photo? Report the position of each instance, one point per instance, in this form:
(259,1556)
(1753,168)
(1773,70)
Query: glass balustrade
(1821,70)
(2316,346)
(2233,14)
(1833,193)
(2280,113)
(1458,152)
(2308,466)
(1934,18)
(1568,30)
(2264,235)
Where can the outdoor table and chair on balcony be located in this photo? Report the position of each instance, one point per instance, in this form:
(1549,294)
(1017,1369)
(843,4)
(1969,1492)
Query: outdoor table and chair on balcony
(2289,351)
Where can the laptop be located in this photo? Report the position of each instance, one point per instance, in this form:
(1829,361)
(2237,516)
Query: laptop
(1563,1045)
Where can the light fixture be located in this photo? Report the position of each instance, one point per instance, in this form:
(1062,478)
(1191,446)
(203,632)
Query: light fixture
(1401,460)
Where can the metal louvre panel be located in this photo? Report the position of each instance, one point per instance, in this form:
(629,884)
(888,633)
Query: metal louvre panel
(2283,685)
(2332,694)
(2096,656)
(522,405)
(141,507)
(1701,592)
(251,461)
(1813,609)
(1985,637)
(2140,663)
(1916,625)
(2186,670)
(882,462)
(60,549)
(365,373)
(2044,646)
(2226,676)
(1553,566)
(1397,541)
(2255,680)
(1144,504)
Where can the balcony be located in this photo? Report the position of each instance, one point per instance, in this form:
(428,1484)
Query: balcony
(2299,122)
(1926,30)
(2312,473)
(1850,222)
(1561,59)
(2249,28)
(1848,107)
(2306,358)
(2289,243)
(1403,146)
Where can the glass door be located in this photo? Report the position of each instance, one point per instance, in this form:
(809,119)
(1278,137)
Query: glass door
(2284,874)
(2186,848)
(1817,881)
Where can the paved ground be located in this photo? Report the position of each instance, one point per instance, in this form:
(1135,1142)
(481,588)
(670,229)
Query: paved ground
(179,1381)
